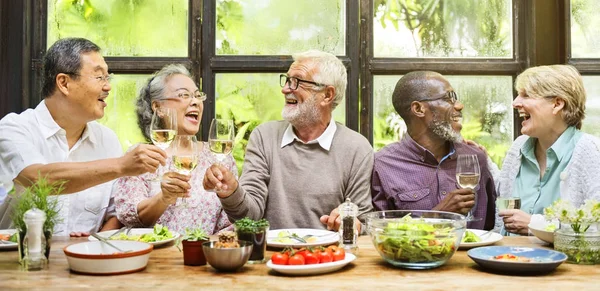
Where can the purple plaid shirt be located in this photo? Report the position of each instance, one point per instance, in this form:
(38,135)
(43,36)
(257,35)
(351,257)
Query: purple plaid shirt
(406,176)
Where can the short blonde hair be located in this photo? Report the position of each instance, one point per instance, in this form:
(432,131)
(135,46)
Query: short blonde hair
(563,81)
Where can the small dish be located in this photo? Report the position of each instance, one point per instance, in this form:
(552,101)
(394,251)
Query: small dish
(139,231)
(8,245)
(542,260)
(487,239)
(323,237)
(314,269)
(541,233)
(98,258)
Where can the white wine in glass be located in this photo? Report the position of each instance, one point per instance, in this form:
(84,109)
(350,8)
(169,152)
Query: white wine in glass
(163,129)
(185,156)
(467,176)
(220,138)
(508,203)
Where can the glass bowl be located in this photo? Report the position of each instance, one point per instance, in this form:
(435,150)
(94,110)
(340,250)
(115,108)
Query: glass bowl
(416,239)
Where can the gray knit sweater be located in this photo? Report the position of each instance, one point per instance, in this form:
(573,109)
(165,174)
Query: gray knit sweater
(293,186)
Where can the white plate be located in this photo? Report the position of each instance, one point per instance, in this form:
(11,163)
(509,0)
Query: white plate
(541,233)
(487,239)
(312,269)
(8,245)
(140,231)
(324,237)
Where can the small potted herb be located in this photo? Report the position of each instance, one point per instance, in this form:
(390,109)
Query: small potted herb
(254,231)
(37,196)
(192,240)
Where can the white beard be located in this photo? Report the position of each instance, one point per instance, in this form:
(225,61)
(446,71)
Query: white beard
(444,130)
(303,114)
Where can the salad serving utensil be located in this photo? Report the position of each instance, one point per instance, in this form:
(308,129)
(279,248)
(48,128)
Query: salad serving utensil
(125,229)
(104,240)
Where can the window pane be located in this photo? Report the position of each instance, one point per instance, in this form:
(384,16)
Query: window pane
(591,123)
(585,36)
(280,27)
(446,28)
(123,28)
(251,99)
(119,114)
(487,113)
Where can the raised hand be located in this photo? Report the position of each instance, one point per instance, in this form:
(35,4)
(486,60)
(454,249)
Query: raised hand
(458,201)
(143,159)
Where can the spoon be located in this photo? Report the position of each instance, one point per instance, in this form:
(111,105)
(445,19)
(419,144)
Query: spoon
(103,239)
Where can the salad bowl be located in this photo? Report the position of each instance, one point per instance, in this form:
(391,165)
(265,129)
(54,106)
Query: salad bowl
(416,239)
(98,258)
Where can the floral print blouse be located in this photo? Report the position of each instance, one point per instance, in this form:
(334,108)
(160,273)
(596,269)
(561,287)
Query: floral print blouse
(202,209)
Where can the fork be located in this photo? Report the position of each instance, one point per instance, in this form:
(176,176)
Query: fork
(104,240)
(121,230)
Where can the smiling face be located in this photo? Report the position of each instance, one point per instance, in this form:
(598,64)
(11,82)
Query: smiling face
(537,114)
(303,106)
(189,111)
(86,93)
(445,119)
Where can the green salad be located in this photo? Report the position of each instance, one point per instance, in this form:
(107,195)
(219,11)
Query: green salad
(160,233)
(470,237)
(414,240)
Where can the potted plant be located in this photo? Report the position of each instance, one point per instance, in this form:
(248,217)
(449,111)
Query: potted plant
(254,231)
(37,196)
(192,240)
(579,234)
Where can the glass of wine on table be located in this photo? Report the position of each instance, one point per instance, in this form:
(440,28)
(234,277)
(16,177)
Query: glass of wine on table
(467,176)
(163,129)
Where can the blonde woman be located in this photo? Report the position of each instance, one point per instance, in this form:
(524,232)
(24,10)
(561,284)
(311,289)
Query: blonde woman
(553,159)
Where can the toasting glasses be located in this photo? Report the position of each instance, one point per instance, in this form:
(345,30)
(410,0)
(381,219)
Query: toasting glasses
(163,129)
(467,176)
(185,155)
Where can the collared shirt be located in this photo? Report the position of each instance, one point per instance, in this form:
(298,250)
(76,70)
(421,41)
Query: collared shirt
(537,194)
(406,176)
(324,140)
(33,137)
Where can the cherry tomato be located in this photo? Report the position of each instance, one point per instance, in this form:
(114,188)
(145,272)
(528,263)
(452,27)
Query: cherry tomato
(280,258)
(339,254)
(311,258)
(296,259)
(325,257)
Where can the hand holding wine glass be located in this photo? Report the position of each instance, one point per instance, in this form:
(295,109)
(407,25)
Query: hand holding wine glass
(163,129)
(185,155)
(467,176)
(220,138)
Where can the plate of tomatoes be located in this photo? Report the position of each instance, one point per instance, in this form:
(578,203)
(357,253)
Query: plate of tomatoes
(310,261)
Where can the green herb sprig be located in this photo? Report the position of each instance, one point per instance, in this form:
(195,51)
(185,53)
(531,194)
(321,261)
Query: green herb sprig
(39,195)
(248,225)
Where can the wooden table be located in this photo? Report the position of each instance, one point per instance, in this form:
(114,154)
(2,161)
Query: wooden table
(166,271)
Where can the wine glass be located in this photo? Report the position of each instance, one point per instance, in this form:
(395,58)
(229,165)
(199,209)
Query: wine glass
(467,175)
(185,155)
(220,138)
(163,129)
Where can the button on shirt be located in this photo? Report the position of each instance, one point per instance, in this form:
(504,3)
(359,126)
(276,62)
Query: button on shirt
(33,137)
(537,194)
(406,176)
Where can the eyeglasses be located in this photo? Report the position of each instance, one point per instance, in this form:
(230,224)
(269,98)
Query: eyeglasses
(450,96)
(100,79)
(295,82)
(187,96)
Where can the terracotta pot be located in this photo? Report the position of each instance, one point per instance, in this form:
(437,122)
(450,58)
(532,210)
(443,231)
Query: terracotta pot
(193,255)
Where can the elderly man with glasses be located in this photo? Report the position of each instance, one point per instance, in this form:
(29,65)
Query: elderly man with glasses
(419,171)
(61,141)
(299,170)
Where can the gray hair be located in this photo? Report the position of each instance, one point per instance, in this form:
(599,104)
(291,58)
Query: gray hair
(331,71)
(154,91)
(64,56)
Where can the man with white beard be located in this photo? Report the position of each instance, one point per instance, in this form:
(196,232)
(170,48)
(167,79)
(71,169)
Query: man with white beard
(419,171)
(297,171)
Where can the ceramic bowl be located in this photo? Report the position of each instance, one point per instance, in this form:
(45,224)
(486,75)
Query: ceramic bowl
(98,258)
(227,259)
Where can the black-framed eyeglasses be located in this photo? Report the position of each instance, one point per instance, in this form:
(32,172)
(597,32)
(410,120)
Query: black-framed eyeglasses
(295,82)
(450,96)
(100,79)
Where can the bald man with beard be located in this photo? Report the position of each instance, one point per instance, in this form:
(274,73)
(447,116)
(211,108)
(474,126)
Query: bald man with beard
(419,171)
